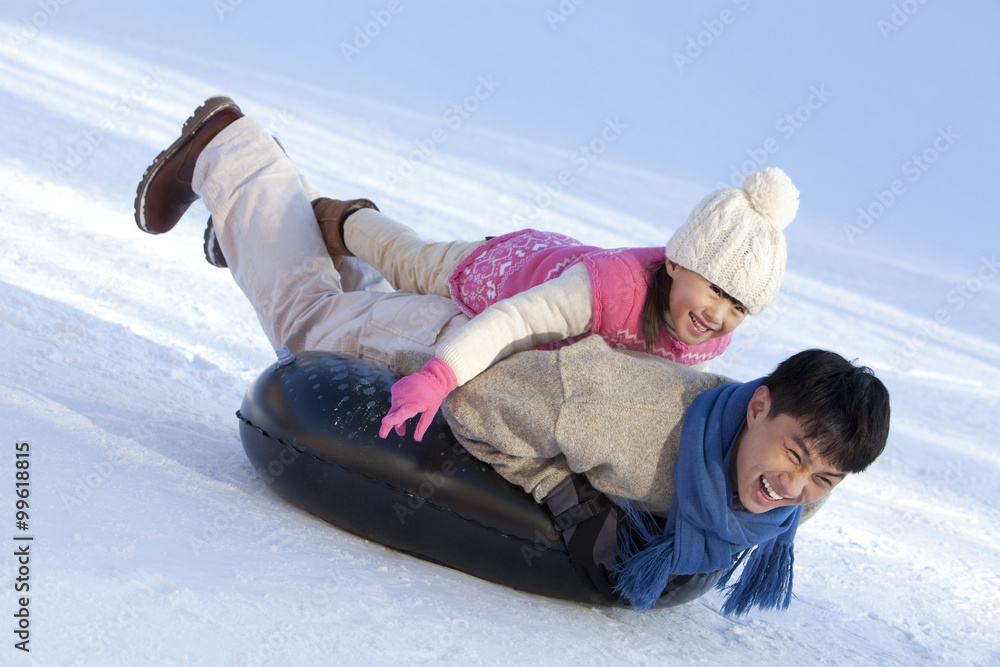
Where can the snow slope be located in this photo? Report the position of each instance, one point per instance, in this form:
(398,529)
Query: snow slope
(154,540)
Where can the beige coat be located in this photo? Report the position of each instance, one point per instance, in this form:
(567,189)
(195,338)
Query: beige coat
(614,416)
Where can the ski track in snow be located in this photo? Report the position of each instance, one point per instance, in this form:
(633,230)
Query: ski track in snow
(156,543)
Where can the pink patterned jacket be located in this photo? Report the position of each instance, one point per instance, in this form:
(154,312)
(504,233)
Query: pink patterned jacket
(515,262)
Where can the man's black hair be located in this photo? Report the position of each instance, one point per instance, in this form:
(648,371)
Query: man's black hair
(844,408)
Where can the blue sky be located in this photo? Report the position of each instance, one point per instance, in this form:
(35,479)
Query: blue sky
(886,107)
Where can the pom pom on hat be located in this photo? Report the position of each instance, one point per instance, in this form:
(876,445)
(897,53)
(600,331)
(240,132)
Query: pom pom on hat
(734,237)
(771,193)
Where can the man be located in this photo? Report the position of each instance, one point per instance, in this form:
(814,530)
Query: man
(729,465)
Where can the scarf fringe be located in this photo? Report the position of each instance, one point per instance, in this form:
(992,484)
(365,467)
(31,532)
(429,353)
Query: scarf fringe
(647,558)
(644,570)
(702,533)
(766,581)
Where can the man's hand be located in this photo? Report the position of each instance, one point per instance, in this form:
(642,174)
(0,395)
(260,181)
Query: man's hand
(421,392)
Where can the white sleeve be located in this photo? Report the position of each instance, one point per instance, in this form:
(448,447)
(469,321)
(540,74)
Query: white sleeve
(557,309)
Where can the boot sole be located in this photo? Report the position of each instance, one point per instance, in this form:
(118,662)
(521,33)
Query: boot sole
(210,242)
(197,120)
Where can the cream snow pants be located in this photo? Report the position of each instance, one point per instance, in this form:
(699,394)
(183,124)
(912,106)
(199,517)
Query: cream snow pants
(260,204)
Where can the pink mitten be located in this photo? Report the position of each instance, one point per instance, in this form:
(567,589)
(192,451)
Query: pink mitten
(421,392)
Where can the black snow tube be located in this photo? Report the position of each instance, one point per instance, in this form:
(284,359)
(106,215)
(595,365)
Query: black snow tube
(310,429)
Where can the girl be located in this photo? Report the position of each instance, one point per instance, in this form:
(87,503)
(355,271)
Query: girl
(529,288)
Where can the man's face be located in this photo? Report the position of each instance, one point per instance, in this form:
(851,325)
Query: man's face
(774,465)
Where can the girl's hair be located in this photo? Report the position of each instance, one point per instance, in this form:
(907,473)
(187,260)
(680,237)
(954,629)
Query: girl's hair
(657,305)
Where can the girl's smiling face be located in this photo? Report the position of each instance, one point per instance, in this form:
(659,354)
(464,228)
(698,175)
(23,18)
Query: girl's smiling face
(774,464)
(701,310)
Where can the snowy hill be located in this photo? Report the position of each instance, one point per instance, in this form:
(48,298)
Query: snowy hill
(127,355)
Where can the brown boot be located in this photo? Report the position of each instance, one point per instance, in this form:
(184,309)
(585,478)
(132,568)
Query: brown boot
(331,215)
(165,192)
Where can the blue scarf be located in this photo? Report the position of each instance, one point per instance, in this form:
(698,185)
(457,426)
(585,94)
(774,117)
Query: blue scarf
(703,533)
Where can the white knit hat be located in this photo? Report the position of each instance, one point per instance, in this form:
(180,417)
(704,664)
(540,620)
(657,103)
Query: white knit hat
(734,238)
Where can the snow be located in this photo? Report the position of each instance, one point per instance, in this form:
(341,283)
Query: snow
(154,540)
